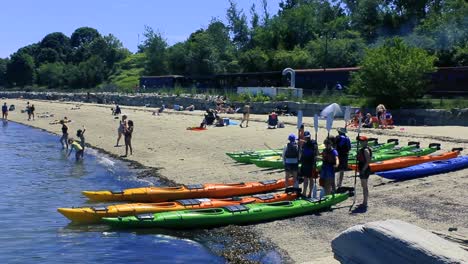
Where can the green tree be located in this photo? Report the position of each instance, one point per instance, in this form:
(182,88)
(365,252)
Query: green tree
(51,75)
(394,73)
(237,21)
(155,48)
(3,71)
(83,36)
(92,71)
(58,42)
(297,58)
(254,60)
(47,55)
(20,70)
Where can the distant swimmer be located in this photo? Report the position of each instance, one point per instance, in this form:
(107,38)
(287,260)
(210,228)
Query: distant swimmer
(4,111)
(75,145)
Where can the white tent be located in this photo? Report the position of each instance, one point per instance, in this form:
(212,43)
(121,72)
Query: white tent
(334,108)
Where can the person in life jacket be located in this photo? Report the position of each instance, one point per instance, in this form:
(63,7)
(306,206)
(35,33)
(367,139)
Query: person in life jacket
(291,160)
(330,162)
(308,160)
(364,157)
(77,147)
(343,146)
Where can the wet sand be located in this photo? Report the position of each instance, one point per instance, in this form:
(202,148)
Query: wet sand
(184,156)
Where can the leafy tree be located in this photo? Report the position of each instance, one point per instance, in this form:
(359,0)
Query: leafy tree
(128,71)
(3,71)
(254,60)
(58,42)
(72,76)
(20,69)
(155,48)
(51,74)
(237,21)
(83,36)
(394,73)
(93,71)
(47,55)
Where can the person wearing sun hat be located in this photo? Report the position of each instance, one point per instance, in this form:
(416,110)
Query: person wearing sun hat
(308,159)
(364,157)
(291,160)
(343,146)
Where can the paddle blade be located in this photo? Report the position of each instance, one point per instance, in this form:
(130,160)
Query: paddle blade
(316,125)
(347,114)
(299,119)
(329,122)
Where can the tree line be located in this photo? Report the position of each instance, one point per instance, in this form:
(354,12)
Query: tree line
(302,34)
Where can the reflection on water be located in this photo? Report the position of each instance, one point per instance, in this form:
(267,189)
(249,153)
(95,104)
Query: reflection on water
(37,177)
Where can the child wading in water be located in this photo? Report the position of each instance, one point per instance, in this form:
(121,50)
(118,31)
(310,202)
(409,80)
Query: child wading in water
(77,147)
(80,135)
(128,137)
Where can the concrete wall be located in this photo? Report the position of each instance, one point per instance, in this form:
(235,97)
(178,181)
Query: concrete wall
(429,117)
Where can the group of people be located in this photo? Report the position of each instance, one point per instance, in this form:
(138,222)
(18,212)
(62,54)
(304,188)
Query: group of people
(126,129)
(382,119)
(300,157)
(70,143)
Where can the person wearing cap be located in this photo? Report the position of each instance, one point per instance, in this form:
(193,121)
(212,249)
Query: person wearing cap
(291,160)
(308,159)
(343,146)
(364,157)
(330,162)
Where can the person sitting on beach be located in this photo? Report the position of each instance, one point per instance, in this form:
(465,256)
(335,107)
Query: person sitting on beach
(355,120)
(368,121)
(272,120)
(64,138)
(291,160)
(219,122)
(128,137)
(190,108)
(380,109)
(161,109)
(12,108)
(74,145)
(210,117)
(4,111)
(330,162)
(117,110)
(389,119)
(80,135)
(230,110)
(121,129)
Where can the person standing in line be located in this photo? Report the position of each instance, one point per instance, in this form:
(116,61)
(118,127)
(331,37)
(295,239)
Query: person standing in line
(291,160)
(343,146)
(121,129)
(364,157)
(308,159)
(64,138)
(4,111)
(245,115)
(128,137)
(80,135)
(330,162)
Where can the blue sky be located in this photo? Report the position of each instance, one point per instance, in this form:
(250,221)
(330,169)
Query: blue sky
(24,22)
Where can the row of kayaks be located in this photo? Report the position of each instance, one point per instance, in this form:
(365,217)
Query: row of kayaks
(203,212)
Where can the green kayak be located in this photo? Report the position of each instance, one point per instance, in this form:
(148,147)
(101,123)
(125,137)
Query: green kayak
(404,152)
(230,215)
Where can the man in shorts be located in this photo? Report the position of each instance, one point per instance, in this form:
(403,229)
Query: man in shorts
(364,157)
(343,146)
(245,115)
(291,160)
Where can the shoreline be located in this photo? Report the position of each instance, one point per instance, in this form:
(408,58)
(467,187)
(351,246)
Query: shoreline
(163,144)
(234,251)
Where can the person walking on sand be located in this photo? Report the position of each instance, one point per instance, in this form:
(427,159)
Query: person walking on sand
(74,145)
(121,129)
(364,157)
(343,146)
(128,137)
(330,162)
(31,111)
(291,160)
(245,115)
(4,111)
(308,159)
(64,138)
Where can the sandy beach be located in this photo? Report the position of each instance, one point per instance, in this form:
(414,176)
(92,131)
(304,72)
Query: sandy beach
(183,156)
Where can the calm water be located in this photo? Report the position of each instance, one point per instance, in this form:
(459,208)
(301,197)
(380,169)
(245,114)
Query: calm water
(37,178)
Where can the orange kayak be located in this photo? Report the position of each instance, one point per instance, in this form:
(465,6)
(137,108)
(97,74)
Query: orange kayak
(163,194)
(90,215)
(404,162)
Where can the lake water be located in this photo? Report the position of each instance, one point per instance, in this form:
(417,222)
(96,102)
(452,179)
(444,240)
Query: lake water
(37,178)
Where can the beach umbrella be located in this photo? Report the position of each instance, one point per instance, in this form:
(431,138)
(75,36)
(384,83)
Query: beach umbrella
(333,109)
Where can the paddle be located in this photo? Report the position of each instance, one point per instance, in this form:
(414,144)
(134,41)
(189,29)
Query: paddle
(355,171)
(316,127)
(329,123)
(347,116)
